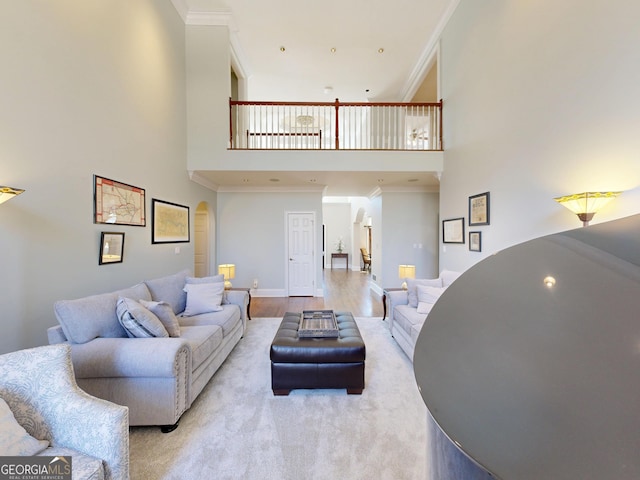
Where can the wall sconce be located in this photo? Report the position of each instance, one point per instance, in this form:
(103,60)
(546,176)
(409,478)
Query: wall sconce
(368,224)
(229,272)
(586,204)
(7,193)
(406,271)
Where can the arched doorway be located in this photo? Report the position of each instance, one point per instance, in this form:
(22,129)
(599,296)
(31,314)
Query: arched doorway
(202,243)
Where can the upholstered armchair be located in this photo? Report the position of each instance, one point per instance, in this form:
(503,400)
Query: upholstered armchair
(40,389)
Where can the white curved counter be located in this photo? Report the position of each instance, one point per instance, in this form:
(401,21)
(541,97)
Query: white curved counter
(540,382)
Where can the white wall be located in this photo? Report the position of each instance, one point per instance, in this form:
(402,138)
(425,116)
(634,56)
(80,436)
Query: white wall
(408,235)
(87,88)
(338,223)
(208,92)
(251,234)
(541,100)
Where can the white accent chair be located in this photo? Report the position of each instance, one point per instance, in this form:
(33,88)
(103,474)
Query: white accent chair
(39,386)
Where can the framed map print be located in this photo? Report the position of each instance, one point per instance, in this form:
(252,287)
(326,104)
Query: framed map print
(117,203)
(170,222)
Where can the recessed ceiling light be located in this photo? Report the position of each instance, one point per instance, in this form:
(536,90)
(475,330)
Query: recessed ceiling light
(282,49)
(381,50)
(312,180)
(380,180)
(412,180)
(333,50)
(274,179)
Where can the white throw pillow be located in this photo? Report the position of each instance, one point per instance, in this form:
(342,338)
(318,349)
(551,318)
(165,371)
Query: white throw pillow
(428,294)
(138,321)
(165,314)
(203,298)
(14,439)
(448,277)
(424,308)
(412,283)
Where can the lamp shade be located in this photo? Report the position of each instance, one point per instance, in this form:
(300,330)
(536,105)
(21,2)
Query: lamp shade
(7,193)
(229,272)
(586,204)
(407,271)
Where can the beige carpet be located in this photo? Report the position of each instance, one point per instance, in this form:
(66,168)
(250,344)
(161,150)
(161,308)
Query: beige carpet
(237,429)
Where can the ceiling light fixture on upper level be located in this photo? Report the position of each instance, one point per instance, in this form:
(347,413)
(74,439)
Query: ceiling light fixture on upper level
(328,90)
(586,204)
(282,49)
(334,49)
(381,50)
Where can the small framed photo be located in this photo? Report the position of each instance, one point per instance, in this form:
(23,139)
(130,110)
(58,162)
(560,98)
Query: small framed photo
(475,241)
(170,222)
(479,209)
(453,230)
(111,248)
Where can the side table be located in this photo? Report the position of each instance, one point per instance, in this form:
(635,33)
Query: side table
(248,290)
(384,299)
(340,255)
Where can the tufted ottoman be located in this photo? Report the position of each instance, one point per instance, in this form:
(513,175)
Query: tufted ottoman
(317,362)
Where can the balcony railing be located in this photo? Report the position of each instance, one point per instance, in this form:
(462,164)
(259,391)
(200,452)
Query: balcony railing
(334,126)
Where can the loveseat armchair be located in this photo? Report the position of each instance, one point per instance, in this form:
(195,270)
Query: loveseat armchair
(409,309)
(39,387)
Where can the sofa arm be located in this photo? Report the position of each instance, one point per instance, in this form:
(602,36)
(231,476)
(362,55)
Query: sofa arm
(56,335)
(131,357)
(95,427)
(394,298)
(239,297)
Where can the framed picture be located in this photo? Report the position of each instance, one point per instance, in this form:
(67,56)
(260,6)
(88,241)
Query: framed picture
(479,209)
(117,203)
(475,241)
(453,230)
(170,222)
(111,248)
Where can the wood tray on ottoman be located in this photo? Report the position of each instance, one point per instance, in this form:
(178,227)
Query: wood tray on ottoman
(317,362)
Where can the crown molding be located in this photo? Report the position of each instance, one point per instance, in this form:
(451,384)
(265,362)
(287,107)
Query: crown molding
(205,182)
(428,55)
(401,189)
(268,189)
(182,8)
(239,62)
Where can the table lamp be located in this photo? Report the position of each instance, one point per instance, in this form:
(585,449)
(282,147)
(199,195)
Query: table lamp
(406,271)
(229,272)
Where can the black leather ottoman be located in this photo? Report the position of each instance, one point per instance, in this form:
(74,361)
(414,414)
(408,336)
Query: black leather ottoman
(317,362)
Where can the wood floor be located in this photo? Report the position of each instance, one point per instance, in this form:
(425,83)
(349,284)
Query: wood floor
(344,290)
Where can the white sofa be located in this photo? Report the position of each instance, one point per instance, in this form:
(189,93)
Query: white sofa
(48,415)
(408,309)
(157,377)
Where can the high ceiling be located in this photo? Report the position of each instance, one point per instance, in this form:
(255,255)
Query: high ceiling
(353,50)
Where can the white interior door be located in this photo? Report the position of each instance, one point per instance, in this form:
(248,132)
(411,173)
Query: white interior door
(301,254)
